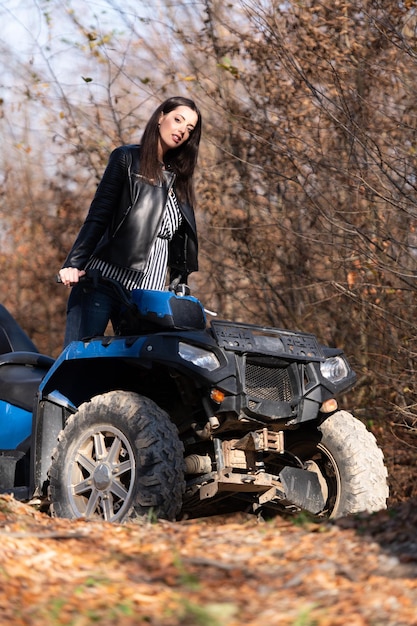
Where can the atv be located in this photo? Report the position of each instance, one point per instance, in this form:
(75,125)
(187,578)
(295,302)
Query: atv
(175,417)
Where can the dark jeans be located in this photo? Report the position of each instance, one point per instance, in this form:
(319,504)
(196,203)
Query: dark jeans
(88,313)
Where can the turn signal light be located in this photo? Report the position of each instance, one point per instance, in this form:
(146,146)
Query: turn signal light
(217,395)
(329,406)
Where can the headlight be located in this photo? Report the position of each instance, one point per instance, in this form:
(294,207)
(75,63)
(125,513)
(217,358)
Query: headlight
(199,357)
(334,369)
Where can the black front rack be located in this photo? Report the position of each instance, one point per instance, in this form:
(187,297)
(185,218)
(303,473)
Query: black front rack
(269,341)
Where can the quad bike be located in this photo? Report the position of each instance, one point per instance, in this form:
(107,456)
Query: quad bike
(175,417)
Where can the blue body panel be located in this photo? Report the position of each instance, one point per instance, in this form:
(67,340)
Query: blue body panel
(165,309)
(15,426)
(93,349)
(159,303)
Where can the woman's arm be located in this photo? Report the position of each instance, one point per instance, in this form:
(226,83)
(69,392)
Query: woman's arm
(102,209)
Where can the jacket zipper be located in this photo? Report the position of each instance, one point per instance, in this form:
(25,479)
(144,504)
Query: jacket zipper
(120,224)
(170,186)
(127,211)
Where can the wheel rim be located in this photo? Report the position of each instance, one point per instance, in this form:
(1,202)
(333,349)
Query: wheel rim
(101,475)
(319,459)
(327,470)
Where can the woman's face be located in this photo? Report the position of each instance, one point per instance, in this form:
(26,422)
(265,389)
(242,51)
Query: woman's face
(175,128)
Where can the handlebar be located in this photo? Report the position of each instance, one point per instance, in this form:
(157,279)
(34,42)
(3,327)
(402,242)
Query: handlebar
(94,277)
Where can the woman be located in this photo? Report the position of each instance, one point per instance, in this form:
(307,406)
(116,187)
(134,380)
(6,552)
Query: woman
(141,220)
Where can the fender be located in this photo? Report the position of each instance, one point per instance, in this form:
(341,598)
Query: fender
(49,419)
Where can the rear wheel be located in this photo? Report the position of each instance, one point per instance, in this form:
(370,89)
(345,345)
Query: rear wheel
(348,462)
(118,457)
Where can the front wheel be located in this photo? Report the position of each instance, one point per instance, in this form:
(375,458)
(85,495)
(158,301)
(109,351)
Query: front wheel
(118,457)
(349,464)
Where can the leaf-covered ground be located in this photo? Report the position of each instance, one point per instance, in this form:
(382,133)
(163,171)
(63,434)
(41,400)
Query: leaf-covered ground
(220,571)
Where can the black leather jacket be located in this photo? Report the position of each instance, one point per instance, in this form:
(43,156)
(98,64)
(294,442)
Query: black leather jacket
(124,219)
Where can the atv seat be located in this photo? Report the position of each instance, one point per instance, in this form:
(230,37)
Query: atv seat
(22,366)
(12,337)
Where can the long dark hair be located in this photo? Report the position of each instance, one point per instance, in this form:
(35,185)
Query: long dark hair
(181,160)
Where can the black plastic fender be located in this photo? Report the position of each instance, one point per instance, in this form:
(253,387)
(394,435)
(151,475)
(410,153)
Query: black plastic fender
(303,488)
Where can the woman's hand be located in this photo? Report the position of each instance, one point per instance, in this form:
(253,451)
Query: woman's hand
(70,275)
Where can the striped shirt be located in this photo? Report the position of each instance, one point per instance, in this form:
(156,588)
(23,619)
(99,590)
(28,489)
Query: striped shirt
(154,274)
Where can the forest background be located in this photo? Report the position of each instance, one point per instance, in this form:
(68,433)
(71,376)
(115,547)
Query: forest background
(306,181)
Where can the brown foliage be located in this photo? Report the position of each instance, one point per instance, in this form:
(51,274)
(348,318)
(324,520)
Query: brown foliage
(323,218)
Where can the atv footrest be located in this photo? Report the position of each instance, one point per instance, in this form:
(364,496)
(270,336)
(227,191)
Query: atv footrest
(19,493)
(8,462)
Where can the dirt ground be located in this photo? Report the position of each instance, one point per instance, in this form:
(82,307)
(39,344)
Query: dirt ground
(221,571)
